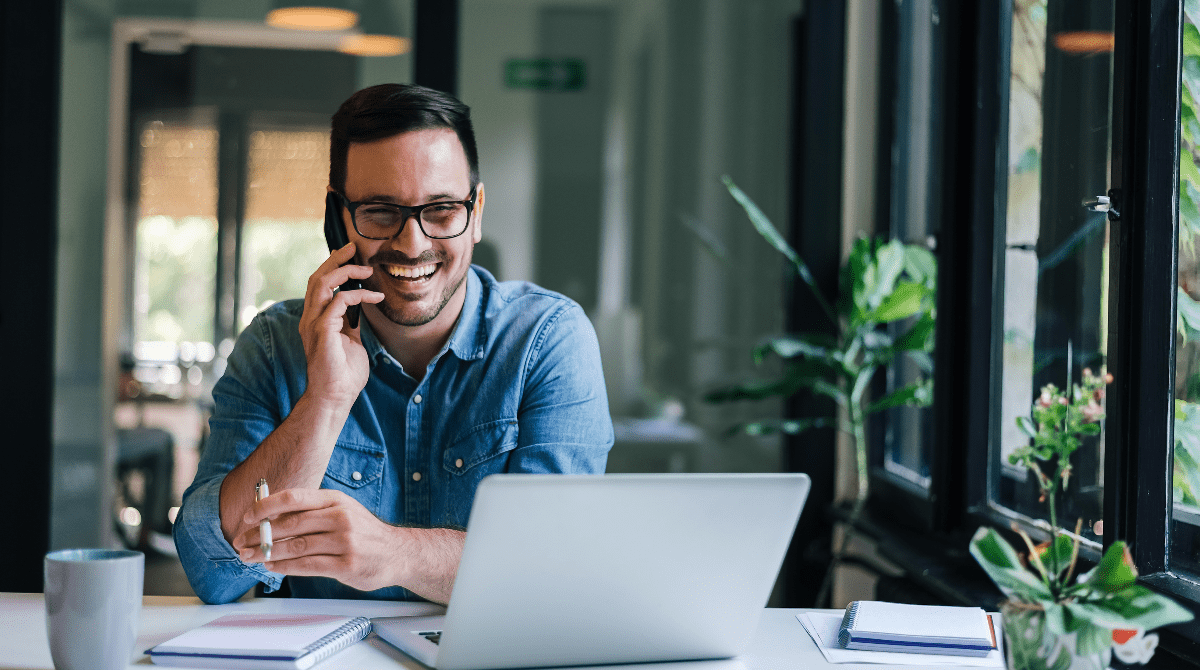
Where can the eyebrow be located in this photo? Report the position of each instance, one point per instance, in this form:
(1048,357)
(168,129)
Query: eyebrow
(393,200)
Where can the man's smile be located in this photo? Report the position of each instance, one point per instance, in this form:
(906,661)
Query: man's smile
(411,272)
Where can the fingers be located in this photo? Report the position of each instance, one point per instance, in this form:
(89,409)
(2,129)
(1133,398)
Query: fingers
(321,284)
(336,309)
(313,544)
(290,501)
(308,566)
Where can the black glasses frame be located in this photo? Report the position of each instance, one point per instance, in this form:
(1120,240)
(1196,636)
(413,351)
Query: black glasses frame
(410,212)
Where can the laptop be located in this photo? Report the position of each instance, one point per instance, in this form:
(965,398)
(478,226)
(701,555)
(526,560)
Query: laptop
(562,570)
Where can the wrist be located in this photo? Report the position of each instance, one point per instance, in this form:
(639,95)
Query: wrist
(322,416)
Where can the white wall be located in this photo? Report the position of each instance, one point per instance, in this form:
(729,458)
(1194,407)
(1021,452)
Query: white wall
(492,32)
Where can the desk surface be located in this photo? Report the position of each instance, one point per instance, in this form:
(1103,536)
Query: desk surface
(780,641)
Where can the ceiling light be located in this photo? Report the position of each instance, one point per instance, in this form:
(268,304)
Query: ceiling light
(375,45)
(380,31)
(309,17)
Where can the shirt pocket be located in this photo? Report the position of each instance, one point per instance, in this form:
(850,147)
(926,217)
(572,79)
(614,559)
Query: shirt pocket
(358,472)
(479,451)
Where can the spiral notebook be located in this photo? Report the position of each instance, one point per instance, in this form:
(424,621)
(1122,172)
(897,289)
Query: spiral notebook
(253,641)
(870,625)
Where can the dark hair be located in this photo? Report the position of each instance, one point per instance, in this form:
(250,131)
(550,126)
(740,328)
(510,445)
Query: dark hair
(387,110)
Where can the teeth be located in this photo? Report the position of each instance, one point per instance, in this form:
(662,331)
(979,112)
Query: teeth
(410,272)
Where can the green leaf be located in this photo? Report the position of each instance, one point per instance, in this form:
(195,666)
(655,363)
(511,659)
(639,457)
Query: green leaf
(1188,124)
(1115,570)
(1026,426)
(773,237)
(1134,607)
(1189,315)
(920,265)
(1191,36)
(1000,561)
(1192,9)
(889,258)
(790,347)
(787,426)
(707,239)
(919,337)
(919,394)
(900,303)
(1058,553)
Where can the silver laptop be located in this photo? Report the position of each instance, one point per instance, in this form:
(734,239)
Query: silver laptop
(587,570)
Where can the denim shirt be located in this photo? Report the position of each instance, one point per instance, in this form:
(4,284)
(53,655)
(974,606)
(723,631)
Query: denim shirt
(517,388)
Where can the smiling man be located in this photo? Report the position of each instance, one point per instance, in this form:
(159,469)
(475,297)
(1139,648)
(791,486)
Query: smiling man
(373,439)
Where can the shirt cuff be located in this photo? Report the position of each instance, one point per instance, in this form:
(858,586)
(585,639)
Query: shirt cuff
(202,546)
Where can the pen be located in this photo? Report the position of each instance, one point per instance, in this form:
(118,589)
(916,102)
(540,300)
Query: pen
(264,526)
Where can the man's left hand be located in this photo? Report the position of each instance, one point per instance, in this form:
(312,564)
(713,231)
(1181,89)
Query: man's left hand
(324,533)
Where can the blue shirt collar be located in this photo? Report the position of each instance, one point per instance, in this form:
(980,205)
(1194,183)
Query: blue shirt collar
(467,340)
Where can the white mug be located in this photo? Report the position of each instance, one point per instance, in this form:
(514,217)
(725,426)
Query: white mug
(93,597)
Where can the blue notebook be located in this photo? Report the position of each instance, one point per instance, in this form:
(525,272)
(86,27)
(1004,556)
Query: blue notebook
(254,641)
(870,625)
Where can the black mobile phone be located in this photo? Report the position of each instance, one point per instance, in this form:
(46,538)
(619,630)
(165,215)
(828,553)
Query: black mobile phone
(336,238)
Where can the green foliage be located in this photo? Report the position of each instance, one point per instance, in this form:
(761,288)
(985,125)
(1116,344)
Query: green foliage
(882,282)
(1186,471)
(1189,131)
(885,309)
(176,264)
(1106,598)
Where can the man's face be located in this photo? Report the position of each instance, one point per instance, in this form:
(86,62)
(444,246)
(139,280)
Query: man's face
(417,275)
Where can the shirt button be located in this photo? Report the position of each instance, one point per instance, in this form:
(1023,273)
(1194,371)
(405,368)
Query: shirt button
(357,476)
(417,398)
(416,476)
(458,463)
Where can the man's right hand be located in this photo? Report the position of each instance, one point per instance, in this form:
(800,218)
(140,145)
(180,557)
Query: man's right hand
(337,363)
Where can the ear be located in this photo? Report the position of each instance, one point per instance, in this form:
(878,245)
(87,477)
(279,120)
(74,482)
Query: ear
(477,226)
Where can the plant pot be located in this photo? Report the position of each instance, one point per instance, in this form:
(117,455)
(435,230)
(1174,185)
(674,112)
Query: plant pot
(1030,645)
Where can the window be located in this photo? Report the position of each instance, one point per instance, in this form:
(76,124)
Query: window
(282,240)
(1055,284)
(1063,167)
(1185,511)
(230,158)
(909,192)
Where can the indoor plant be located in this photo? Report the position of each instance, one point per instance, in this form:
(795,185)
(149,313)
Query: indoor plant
(885,310)
(1054,619)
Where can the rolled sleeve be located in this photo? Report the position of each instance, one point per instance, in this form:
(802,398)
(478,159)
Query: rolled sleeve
(244,414)
(213,567)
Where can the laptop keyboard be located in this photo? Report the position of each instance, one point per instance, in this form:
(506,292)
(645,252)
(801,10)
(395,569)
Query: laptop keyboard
(434,636)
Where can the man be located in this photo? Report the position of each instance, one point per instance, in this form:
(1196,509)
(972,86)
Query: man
(374,439)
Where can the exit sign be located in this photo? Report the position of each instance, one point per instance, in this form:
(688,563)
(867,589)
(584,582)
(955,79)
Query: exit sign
(545,74)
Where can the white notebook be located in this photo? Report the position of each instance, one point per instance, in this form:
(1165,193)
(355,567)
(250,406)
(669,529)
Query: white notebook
(870,625)
(253,641)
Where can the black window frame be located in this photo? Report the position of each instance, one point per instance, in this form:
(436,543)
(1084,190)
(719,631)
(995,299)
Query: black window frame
(1142,268)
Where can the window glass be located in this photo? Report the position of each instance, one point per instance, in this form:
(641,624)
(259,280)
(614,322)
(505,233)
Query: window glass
(175,263)
(1185,518)
(913,204)
(282,237)
(1056,244)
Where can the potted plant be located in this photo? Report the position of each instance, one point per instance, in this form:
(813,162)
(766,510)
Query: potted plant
(882,282)
(1055,619)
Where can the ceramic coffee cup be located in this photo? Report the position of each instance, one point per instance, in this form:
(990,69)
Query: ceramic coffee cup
(93,597)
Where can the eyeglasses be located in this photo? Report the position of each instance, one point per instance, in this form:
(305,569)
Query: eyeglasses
(439,220)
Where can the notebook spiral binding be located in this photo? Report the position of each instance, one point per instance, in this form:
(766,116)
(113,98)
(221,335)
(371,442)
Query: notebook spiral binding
(343,637)
(847,624)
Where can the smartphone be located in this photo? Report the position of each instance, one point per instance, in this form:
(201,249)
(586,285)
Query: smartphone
(336,238)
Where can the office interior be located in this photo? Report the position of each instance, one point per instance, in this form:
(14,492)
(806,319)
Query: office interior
(164,172)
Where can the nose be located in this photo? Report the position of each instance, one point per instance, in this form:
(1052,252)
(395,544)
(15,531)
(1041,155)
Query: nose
(411,240)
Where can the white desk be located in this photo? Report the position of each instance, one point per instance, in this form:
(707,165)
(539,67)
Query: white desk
(779,644)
